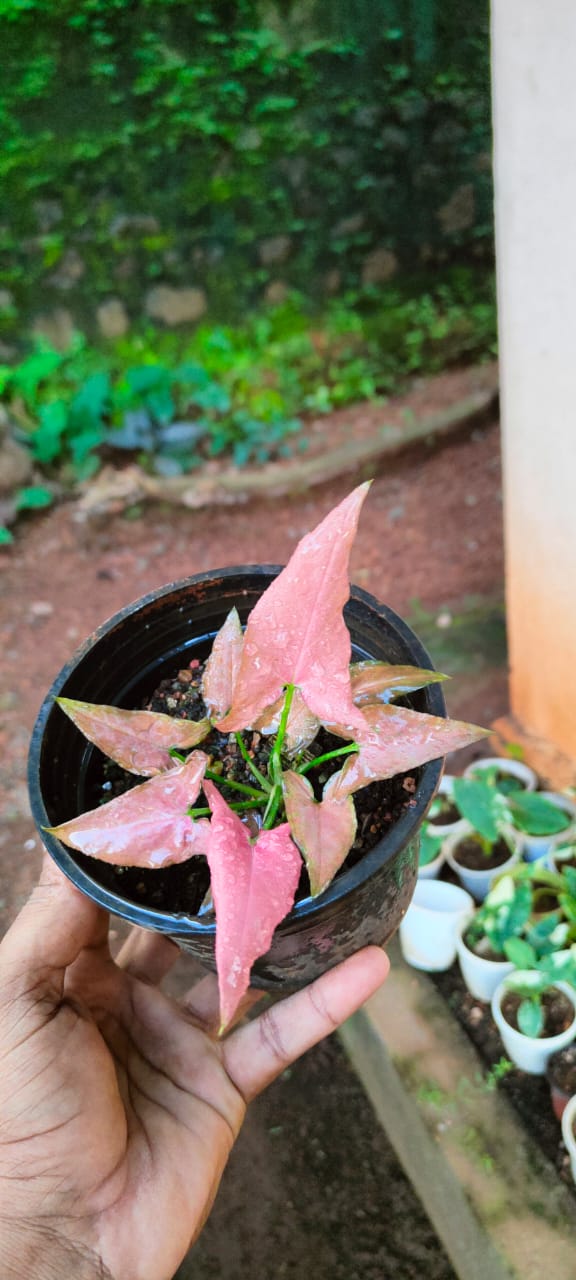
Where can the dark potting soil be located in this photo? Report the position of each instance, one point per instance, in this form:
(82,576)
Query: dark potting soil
(558,1012)
(482,948)
(182,888)
(530,1095)
(447,814)
(562,1069)
(470,854)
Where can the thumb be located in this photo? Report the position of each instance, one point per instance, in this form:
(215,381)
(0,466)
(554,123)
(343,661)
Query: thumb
(54,926)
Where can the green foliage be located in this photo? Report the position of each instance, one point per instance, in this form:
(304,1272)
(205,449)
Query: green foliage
(492,807)
(430,845)
(235,390)
(503,916)
(167,140)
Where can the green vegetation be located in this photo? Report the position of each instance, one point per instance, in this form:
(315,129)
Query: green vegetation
(230,145)
(175,400)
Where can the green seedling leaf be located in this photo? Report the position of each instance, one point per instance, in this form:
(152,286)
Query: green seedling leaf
(521,954)
(253,887)
(323,830)
(536,816)
(296,633)
(6,538)
(222,667)
(35,498)
(483,806)
(147,826)
(139,741)
(395,739)
(430,846)
(530,1018)
(372,681)
(46,440)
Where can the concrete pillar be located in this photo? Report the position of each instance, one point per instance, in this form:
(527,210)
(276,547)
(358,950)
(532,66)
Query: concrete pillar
(534,73)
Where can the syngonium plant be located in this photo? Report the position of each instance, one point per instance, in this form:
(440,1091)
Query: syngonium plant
(287,675)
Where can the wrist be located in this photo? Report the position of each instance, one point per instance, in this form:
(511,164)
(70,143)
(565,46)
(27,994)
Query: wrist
(40,1253)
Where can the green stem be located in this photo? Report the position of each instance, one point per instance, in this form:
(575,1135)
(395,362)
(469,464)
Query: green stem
(275,761)
(237,786)
(330,755)
(264,783)
(238,808)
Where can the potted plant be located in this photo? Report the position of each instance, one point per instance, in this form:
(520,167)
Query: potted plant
(545,820)
(482,942)
(487,847)
(444,817)
(569,1134)
(535,1007)
(430,928)
(561,1076)
(506,774)
(281,733)
(431,853)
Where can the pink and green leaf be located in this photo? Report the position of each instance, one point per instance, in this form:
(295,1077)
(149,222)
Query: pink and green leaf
(395,740)
(253,886)
(301,728)
(379,681)
(324,830)
(147,826)
(296,633)
(139,741)
(222,667)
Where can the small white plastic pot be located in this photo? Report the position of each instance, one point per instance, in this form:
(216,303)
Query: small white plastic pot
(529,1053)
(446,788)
(543,846)
(431,925)
(481,976)
(568,1135)
(479,883)
(514,769)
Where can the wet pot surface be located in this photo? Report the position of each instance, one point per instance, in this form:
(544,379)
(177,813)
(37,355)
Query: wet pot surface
(122,663)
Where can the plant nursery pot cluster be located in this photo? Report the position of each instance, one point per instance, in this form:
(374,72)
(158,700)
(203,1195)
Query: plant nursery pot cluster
(121,664)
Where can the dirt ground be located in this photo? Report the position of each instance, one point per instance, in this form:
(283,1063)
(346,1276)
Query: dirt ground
(313,1182)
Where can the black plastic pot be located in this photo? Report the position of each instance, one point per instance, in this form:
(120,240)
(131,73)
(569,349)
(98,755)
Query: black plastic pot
(123,662)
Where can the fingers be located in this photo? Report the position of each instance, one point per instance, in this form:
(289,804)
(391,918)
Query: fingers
(202,1002)
(257,1052)
(147,956)
(54,926)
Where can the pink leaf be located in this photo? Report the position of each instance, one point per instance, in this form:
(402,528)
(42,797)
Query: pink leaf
(253,887)
(396,740)
(222,667)
(302,726)
(296,633)
(373,681)
(324,830)
(147,826)
(137,740)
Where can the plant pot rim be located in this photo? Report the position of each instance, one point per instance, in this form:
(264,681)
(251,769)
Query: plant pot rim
(162,921)
(567,1122)
(516,768)
(559,1040)
(478,872)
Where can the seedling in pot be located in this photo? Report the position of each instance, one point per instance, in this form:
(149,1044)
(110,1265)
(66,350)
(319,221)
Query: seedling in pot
(504,915)
(534,978)
(288,677)
(430,845)
(493,813)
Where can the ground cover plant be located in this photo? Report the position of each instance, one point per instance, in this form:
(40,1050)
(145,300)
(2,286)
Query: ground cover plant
(286,677)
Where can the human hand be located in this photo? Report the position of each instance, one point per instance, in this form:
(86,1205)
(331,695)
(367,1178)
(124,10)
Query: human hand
(118,1106)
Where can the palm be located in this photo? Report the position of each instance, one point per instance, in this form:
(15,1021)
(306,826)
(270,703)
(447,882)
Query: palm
(118,1108)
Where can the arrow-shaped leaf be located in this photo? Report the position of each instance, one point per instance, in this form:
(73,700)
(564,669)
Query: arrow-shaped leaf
(373,681)
(396,739)
(296,633)
(324,830)
(253,886)
(222,667)
(139,741)
(147,826)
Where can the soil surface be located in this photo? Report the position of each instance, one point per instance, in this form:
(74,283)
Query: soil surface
(313,1184)
(470,854)
(558,1012)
